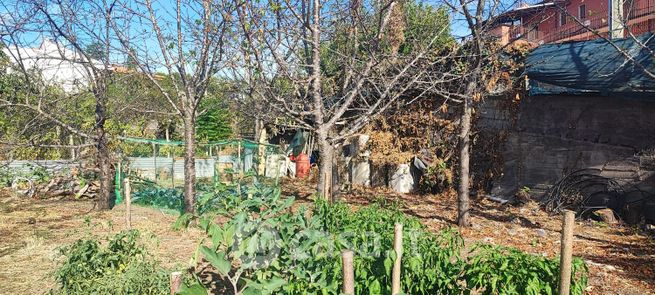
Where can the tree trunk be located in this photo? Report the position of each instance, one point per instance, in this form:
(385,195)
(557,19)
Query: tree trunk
(463,200)
(189,160)
(104,165)
(335,180)
(326,154)
(326,151)
(261,152)
(104,201)
(259,126)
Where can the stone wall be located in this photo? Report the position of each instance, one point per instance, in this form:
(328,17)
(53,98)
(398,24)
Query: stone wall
(555,135)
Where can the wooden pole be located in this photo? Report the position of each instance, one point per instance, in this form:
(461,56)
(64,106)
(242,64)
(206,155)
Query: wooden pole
(173,170)
(239,157)
(568,221)
(277,172)
(398,248)
(72,143)
(215,158)
(119,170)
(154,157)
(176,282)
(128,203)
(348,272)
(218,156)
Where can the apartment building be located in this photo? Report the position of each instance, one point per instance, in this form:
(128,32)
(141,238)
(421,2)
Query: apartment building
(556,21)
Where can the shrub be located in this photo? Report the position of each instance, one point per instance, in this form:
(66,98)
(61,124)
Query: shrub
(122,266)
(210,198)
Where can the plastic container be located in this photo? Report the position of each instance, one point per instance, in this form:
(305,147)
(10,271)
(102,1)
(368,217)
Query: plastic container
(302,165)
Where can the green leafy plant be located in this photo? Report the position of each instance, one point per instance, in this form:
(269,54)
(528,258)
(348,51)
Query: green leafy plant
(121,266)
(501,270)
(523,195)
(431,263)
(437,177)
(163,198)
(236,246)
(214,123)
(36,174)
(265,247)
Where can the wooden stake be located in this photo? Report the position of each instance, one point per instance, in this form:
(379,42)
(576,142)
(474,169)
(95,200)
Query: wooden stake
(173,170)
(72,143)
(176,282)
(168,139)
(277,172)
(119,168)
(239,157)
(218,163)
(568,221)
(128,203)
(348,272)
(154,157)
(398,248)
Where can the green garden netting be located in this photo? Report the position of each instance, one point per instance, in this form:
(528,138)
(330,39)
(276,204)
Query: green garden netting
(157,166)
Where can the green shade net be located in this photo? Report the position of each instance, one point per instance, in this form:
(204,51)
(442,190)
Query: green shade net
(166,194)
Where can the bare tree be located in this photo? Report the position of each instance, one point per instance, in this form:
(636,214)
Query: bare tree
(474,20)
(331,67)
(179,48)
(66,29)
(479,61)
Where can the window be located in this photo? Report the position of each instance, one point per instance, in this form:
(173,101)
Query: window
(562,18)
(582,11)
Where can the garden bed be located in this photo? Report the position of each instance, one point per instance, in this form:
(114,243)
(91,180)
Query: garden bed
(621,259)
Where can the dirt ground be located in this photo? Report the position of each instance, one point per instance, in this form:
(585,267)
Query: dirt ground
(31,231)
(621,258)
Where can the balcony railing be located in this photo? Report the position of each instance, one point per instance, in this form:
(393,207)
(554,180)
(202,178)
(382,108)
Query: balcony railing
(637,17)
(639,9)
(574,28)
(529,34)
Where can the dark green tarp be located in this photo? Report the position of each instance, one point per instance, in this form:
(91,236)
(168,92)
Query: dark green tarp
(593,67)
(298,142)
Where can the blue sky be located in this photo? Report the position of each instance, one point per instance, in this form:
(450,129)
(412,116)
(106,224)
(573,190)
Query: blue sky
(458,25)
(165,8)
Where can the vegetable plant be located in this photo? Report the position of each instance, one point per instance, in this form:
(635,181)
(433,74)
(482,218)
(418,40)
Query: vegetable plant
(121,266)
(268,247)
(164,198)
(501,270)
